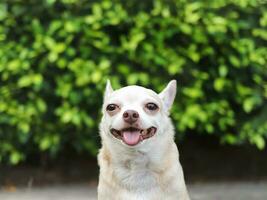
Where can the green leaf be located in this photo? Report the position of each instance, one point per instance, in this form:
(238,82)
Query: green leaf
(3,11)
(15,157)
(219,84)
(259,141)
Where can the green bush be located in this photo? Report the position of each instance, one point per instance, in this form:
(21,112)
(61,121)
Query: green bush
(56,56)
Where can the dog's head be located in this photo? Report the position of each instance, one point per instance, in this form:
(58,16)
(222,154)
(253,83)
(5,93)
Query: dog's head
(134,115)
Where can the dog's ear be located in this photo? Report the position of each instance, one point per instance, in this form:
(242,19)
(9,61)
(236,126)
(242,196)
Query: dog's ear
(168,94)
(108,90)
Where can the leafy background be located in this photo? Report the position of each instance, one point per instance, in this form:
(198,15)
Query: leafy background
(56,56)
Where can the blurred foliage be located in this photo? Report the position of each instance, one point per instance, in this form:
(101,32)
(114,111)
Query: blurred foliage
(56,56)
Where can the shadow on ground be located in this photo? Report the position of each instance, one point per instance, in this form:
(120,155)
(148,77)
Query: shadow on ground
(210,191)
(212,171)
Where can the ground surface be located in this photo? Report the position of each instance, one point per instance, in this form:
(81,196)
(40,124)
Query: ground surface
(203,191)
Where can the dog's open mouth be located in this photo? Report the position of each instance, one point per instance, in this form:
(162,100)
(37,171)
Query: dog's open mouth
(132,136)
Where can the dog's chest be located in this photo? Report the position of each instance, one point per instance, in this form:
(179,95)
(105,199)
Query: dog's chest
(134,171)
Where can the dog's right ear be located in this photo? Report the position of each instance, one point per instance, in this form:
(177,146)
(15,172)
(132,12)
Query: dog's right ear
(108,90)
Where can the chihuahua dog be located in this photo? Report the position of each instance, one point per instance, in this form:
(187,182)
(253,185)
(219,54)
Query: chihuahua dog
(139,159)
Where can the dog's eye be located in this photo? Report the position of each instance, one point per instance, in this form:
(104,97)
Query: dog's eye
(151,106)
(111,107)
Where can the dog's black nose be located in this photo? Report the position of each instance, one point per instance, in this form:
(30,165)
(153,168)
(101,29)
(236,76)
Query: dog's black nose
(130,116)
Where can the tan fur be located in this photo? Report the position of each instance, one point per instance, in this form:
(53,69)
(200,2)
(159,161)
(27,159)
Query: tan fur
(149,171)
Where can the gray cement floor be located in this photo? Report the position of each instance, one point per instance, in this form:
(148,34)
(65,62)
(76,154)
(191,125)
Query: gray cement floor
(201,191)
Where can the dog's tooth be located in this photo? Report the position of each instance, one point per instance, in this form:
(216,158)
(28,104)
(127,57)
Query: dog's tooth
(143,132)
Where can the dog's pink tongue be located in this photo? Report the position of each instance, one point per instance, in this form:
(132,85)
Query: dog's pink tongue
(131,137)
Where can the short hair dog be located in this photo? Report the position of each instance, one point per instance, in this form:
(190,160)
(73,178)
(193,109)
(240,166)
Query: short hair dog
(139,159)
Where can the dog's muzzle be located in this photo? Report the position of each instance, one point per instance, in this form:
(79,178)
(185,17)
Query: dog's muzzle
(132,136)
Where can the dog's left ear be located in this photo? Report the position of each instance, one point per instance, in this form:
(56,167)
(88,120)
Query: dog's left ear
(168,94)
(108,90)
